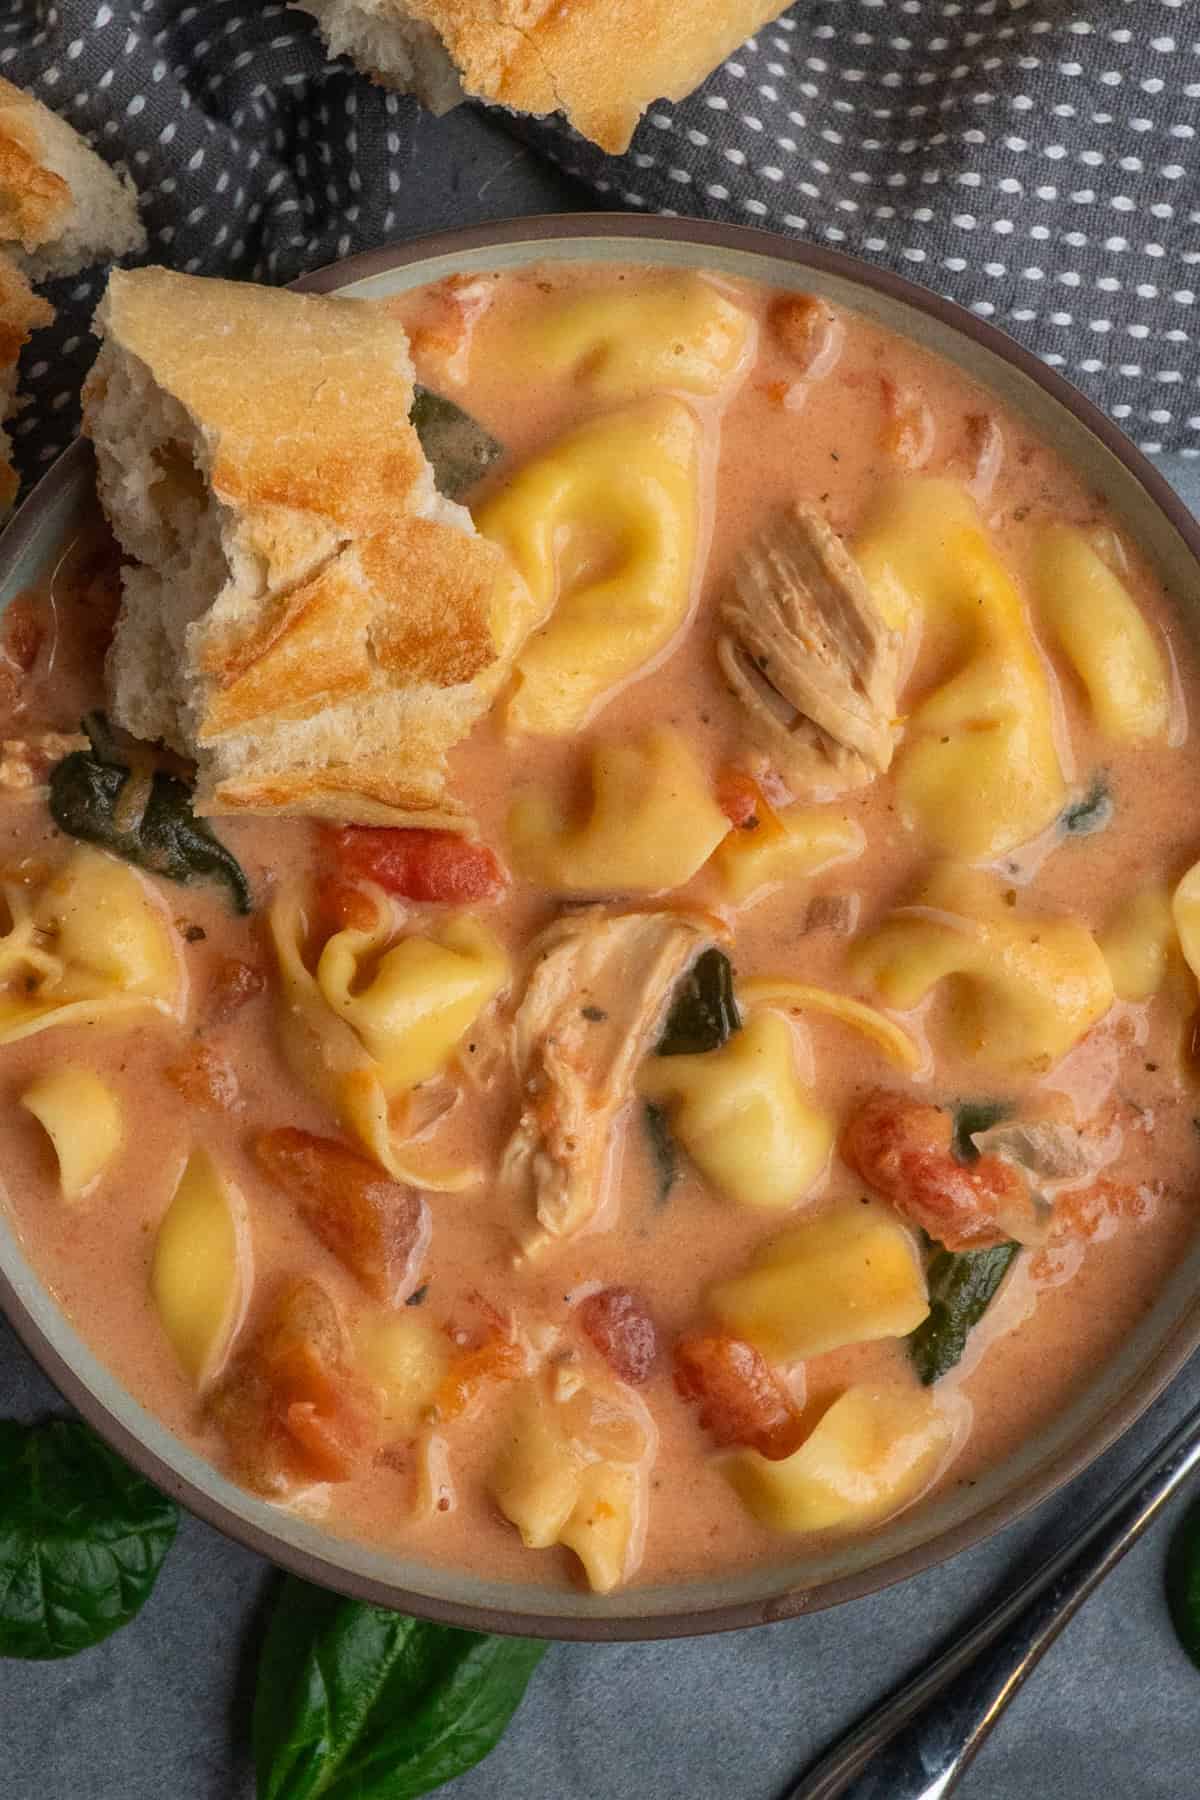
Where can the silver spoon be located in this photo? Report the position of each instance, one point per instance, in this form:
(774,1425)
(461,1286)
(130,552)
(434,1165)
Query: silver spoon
(918,1744)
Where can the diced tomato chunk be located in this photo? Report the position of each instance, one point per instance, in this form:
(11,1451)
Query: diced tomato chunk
(205,1078)
(496,1359)
(618,1323)
(24,632)
(902,1149)
(290,1408)
(739,798)
(233,983)
(438,866)
(376,1227)
(741,1398)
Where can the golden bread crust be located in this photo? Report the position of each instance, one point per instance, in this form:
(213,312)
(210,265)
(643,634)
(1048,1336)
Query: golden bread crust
(359,620)
(21,312)
(601,62)
(33,200)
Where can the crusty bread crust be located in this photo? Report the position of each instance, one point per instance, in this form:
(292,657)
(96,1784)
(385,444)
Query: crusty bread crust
(21,311)
(320,613)
(601,62)
(61,206)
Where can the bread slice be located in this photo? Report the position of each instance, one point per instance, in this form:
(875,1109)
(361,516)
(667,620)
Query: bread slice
(305,614)
(61,206)
(601,62)
(21,311)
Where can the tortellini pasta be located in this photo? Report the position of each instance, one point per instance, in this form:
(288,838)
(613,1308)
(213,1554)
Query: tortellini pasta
(675,330)
(800,996)
(602,529)
(407,1358)
(652,823)
(81,1116)
(977,772)
(1138,941)
(88,944)
(783,846)
(743,1117)
(1185,910)
(201,1274)
(1020,991)
(574,1469)
(873,1452)
(372,1021)
(1103,635)
(850,1276)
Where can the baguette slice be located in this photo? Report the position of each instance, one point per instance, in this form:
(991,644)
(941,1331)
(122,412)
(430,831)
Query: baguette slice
(61,206)
(305,614)
(21,311)
(601,62)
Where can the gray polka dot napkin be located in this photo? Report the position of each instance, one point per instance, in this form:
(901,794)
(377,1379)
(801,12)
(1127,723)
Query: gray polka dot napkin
(1036,160)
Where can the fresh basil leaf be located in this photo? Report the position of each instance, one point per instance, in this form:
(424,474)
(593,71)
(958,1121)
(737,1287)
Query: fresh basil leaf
(971,1116)
(1093,813)
(355,1703)
(704,1012)
(663,1150)
(82,1538)
(1183,1582)
(457,445)
(962,1284)
(168,839)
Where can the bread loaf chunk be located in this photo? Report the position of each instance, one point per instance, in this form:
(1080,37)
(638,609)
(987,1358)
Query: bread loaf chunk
(61,206)
(600,62)
(303,612)
(21,311)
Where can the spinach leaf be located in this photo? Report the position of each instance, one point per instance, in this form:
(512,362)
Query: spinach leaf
(961,1287)
(82,1538)
(704,1012)
(458,447)
(1093,813)
(663,1150)
(971,1116)
(355,1703)
(1183,1582)
(168,839)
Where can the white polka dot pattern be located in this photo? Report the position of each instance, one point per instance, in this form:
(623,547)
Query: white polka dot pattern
(1035,159)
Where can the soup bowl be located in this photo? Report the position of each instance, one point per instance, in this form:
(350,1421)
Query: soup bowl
(802,1579)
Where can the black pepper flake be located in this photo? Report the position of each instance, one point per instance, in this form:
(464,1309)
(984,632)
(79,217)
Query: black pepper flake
(596,1014)
(417,1297)
(195,934)
(1152,1068)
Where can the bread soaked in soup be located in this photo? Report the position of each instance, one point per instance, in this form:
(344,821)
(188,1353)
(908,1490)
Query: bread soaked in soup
(765,1093)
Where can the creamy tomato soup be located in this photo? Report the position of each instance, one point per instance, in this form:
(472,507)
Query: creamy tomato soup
(784,1101)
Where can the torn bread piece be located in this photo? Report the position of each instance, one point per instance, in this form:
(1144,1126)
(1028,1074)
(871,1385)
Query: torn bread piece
(600,62)
(305,614)
(807,652)
(21,312)
(61,206)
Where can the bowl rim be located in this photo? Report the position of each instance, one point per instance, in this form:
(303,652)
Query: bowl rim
(1058,1468)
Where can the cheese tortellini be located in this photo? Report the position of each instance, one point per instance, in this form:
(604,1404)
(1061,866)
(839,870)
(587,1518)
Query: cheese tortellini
(81,1116)
(783,846)
(603,530)
(201,1274)
(850,1276)
(373,1021)
(675,330)
(875,1450)
(1138,942)
(743,1117)
(1103,635)
(977,772)
(91,942)
(1020,991)
(653,822)
(573,1471)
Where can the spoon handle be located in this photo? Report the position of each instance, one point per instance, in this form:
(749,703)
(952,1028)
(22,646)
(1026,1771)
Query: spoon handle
(917,1744)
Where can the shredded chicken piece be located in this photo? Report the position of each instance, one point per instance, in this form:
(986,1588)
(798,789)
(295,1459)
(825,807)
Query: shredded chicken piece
(596,997)
(809,656)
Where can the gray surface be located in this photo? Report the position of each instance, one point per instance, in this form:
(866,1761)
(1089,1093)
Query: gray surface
(161,1712)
